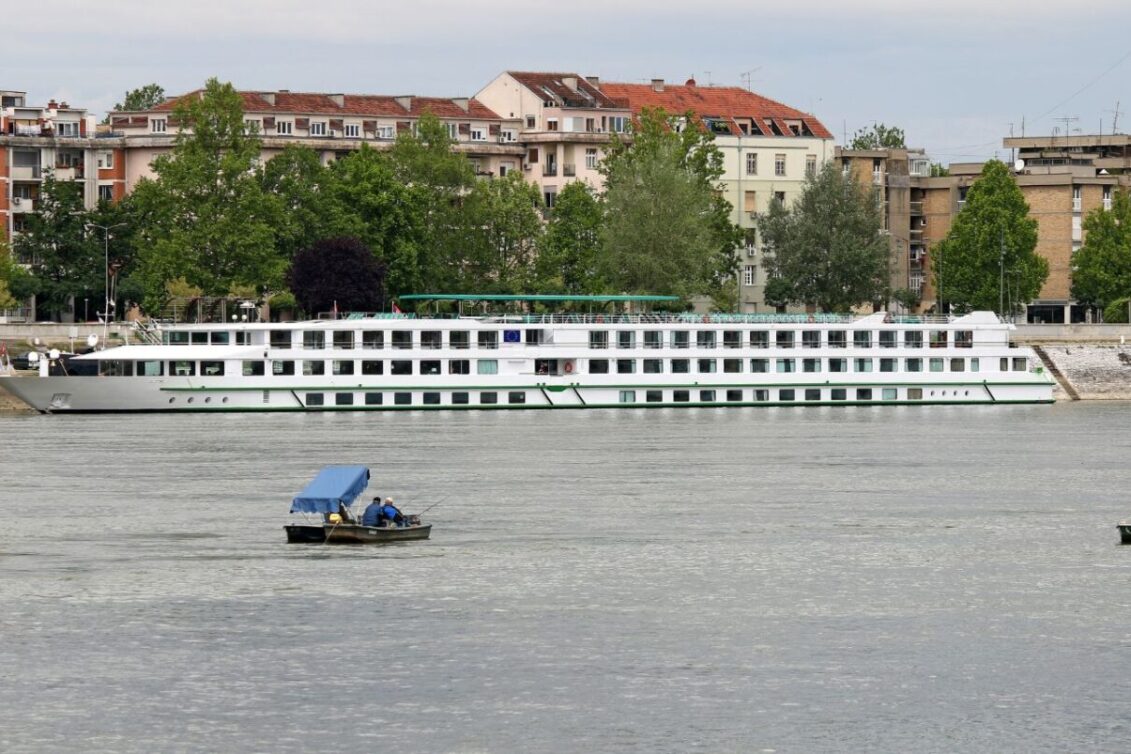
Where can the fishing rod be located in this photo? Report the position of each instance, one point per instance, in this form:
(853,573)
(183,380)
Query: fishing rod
(433,505)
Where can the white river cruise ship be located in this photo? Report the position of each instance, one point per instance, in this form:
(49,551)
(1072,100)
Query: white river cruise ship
(360,362)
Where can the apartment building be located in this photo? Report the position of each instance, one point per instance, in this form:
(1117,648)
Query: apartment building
(56,139)
(565,122)
(768,150)
(334,125)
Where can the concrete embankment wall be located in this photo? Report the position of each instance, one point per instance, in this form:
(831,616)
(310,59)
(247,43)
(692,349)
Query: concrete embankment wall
(1092,372)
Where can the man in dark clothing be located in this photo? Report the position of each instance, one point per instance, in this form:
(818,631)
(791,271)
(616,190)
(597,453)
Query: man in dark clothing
(372,514)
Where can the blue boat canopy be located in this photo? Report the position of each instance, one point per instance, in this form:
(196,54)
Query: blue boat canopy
(334,486)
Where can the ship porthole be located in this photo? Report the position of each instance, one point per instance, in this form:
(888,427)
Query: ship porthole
(190,400)
(225,399)
(208,399)
(172,399)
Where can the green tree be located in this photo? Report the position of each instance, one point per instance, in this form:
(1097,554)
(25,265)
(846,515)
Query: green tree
(338,274)
(938,170)
(668,227)
(143,98)
(205,217)
(1101,269)
(778,293)
(828,246)
(992,239)
(568,260)
(299,183)
(504,230)
(879,136)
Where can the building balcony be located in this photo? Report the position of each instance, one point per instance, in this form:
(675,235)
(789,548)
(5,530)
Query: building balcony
(22,205)
(21,173)
(69,172)
(916,208)
(549,170)
(569,171)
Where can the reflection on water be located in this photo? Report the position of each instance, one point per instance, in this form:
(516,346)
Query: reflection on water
(879,579)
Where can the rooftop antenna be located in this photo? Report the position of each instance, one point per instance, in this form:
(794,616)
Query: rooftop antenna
(1067,120)
(745,77)
(1115,119)
(708,78)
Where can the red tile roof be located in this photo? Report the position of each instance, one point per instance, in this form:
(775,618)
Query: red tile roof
(581,94)
(303,103)
(721,102)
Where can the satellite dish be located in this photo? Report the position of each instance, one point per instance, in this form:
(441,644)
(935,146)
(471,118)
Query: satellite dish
(53,354)
(92,340)
(1019,165)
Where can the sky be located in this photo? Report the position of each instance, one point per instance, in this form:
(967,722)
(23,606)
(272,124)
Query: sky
(957,76)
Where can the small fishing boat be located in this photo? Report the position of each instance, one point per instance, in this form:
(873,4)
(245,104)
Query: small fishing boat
(330,495)
(1124,532)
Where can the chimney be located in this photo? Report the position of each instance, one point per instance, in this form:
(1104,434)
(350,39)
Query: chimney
(657,85)
(463,103)
(63,105)
(594,80)
(338,99)
(690,82)
(570,82)
(52,104)
(405,102)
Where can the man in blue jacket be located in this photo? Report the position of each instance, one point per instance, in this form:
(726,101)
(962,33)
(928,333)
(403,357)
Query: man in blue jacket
(372,514)
(392,513)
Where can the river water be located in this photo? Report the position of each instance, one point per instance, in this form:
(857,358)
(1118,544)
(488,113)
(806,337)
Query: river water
(887,579)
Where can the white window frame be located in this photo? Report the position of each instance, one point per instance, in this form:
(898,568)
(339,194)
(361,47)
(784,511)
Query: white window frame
(318,128)
(751,163)
(351,130)
(105,159)
(452,130)
(591,158)
(158,125)
(748,273)
(810,165)
(284,127)
(779,165)
(479,134)
(251,125)
(67,129)
(387,132)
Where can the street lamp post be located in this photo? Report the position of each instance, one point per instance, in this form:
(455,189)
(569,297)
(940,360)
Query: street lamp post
(105,276)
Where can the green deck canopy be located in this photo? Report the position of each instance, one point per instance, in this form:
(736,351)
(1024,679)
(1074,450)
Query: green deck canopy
(528,297)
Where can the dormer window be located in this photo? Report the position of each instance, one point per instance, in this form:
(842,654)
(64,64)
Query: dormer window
(65,128)
(284,127)
(318,128)
(157,125)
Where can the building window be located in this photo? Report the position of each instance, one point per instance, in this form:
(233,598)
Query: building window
(105,159)
(284,127)
(862,339)
(341,367)
(313,339)
(810,165)
(751,163)
(599,339)
(371,367)
(318,128)
(913,339)
(653,339)
(591,158)
(551,124)
(618,123)
(759,339)
(401,367)
(936,365)
(1077,201)
(810,338)
(681,339)
(863,365)
(748,274)
(887,339)
(372,339)
(732,339)
(157,125)
(779,165)
(390,132)
(786,366)
(313,368)
(105,193)
(913,365)
(888,365)
(352,131)
(732,366)
(488,339)
(706,366)
(549,197)
(251,126)
(759,365)
(626,339)
(1107,198)
(478,134)
(705,339)
(810,365)
(531,121)
(838,365)
(626,366)
(459,366)
(653,366)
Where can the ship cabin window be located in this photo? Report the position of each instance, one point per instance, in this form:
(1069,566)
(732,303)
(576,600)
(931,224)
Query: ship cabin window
(280,339)
(812,394)
(681,339)
(785,366)
(372,366)
(913,339)
(890,393)
(964,339)
(786,395)
(460,339)
(282,368)
(958,365)
(487,366)
(863,393)
(654,396)
(862,339)
(653,339)
(862,365)
(759,339)
(810,338)
(732,366)
(706,396)
(431,339)
(402,399)
(199,338)
(488,339)
(431,399)
(887,338)
(706,366)
(913,365)
(936,365)
(219,337)
(974,365)
(1020,364)
(117,368)
(759,365)
(598,366)
(914,393)
(313,339)
(343,339)
(681,366)
(535,337)
(938,338)
(626,339)
(253,368)
(459,366)
(211,369)
(488,398)
(177,338)
(598,339)
(150,368)
(628,396)
(653,366)
(761,395)
(732,339)
(784,339)
(516,397)
(243,338)
(626,366)
(373,339)
(374,399)
(1004,366)
(341,367)
(681,396)
(838,339)
(810,365)
(705,339)
(460,399)
(838,394)
(888,365)
(182,368)
(314,399)
(402,339)
(838,365)
(400,367)
(430,367)
(343,399)
(313,368)
(734,396)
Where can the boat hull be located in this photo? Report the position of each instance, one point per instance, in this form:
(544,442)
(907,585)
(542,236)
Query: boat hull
(355,534)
